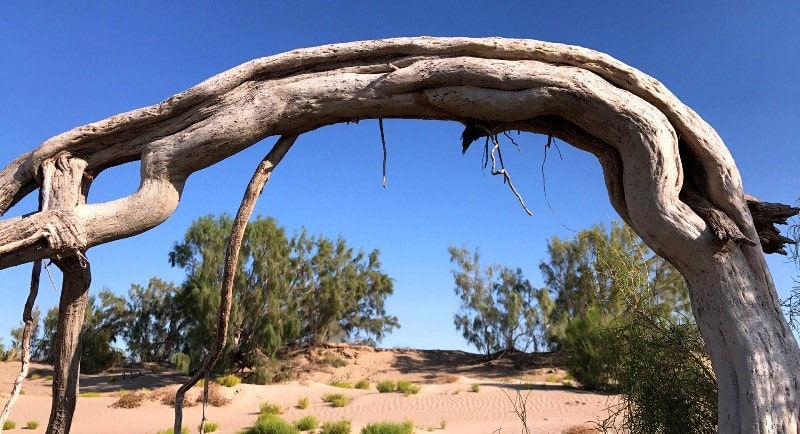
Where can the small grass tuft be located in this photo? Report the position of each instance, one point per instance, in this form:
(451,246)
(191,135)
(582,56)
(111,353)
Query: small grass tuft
(334,361)
(306,423)
(340,384)
(229,380)
(32,424)
(271,424)
(387,386)
(338,427)
(9,424)
(303,403)
(475,388)
(580,429)
(443,424)
(90,395)
(362,384)
(184,430)
(336,399)
(406,427)
(407,388)
(210,427)
(270,408)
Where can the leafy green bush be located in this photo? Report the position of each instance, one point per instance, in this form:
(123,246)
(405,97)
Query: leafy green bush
(339,427)
(407,387)
(362,384)
(386,386)
(406,427)
(181,362)
(269,408)
(210,427)
(303,403)
(591,349)
(271,424)
(32,424)
(9,424)
(229,380)
(336,399)
(306,423)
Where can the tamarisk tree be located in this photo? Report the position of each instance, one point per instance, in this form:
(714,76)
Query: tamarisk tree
(668,174)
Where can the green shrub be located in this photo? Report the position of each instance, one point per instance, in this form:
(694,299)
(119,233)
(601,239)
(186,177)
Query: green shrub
(181,362)
(306,423)
(340,384)
(333,361)
(407,388)
(336,399)
(339,427)
(475,388)
(269,408)
(362,384)
(229,380)
(210,427)
(387,386)
(271,424)
(406,427)
(303,403)
(184,430)
(591,349)
(9,424)
(32,424)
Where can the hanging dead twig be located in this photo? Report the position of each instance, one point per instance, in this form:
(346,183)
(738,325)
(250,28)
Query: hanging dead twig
(502,171)
(253,191)
(383,142)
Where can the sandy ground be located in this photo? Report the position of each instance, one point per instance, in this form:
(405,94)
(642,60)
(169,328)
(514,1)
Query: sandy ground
(445,398)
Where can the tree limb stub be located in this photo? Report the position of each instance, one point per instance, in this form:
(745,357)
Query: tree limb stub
(668,173)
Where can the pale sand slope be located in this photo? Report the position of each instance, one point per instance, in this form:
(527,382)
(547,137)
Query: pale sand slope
(445,395)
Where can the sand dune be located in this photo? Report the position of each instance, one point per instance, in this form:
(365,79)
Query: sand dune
(445,397)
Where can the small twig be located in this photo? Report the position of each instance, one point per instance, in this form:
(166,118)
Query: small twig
(383,142)
(508,136)
(551,141)
(506,176)
(50,275)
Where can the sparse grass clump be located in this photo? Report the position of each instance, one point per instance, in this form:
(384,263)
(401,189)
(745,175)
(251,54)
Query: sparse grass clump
(210,427)
(407,388)
(215,396)
(580,429)
(475,388)
(35,374)
(333,361)
(90,395)
(406,427)
(362,384)
(129,400)
(172,431)
(338,427)
(9,424)
(336,399)
(386,386)
(229,380)
(32,424)
(306,423)
(271,424)
(303,403)
(340,384)
(269,408)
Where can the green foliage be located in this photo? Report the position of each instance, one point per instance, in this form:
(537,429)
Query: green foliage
(336,399)
(340,383)
(300,291)
(362,384)
(181,362)
(269,408)
(229,380)
(334,361)
(210,427)
(343,426)
(498,305)
(386,386)
(306,423)
(591,350)
(32,424)
(303,403)
(271,424)
(9,424)
(475,388)
(407,387)
(406,427)
(153,330)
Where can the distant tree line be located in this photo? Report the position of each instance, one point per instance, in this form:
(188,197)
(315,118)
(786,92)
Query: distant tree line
(301,290)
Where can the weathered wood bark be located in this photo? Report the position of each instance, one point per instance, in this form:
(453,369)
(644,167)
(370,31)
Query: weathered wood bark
(668,173)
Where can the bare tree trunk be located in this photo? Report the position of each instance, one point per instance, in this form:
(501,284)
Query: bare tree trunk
(668,173)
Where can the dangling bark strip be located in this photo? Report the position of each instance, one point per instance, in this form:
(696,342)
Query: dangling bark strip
(254,190)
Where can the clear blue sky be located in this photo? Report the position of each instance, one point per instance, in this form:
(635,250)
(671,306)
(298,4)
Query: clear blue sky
(65,65)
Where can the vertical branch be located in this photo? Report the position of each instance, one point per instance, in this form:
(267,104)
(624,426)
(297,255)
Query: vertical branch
(254,189)
(27,318)
(383,142)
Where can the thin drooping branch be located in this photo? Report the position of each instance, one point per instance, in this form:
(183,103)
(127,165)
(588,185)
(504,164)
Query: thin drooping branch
(383,145)
(27,331)
(504,173)
(254,189)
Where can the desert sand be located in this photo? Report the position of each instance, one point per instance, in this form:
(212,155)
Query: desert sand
(445,398)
